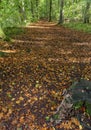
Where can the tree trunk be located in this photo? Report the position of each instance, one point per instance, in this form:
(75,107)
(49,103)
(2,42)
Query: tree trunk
(32,9)
(86,13)
(47,12)
(50,11)
(2,35)
(61,11)
(22,11)
(37,8)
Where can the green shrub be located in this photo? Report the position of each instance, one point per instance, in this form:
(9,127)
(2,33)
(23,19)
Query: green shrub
(79,26)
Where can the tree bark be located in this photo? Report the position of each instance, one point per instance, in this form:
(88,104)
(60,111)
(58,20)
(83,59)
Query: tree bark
(2,34)
(47,12)
(50,10)
(61,12)
(86,13)
(32,9)
(22,11)
(37,8)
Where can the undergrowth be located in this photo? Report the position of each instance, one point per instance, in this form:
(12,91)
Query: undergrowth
(79,26)
(10,31)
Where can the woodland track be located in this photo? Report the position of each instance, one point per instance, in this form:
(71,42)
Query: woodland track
(39,64)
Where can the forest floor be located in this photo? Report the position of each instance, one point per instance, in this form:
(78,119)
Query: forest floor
(37,66)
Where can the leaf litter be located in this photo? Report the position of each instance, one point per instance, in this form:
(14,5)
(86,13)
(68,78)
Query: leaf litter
(46,60)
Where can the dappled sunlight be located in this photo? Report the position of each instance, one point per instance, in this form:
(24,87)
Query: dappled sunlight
(43,24)
(39,27)
(80,60)
(20,41)
(38,40)
(39,64)
(9,51)
(82,44)
(45,53)
(62,51)
(70,60)
(66,46)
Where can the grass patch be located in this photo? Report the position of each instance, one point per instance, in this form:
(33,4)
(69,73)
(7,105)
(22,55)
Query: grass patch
(79,26)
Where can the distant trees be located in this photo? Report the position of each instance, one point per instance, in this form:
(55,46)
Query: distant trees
(86,17)
(15,13)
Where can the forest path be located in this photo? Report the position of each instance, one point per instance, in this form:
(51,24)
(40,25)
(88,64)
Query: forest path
(39,64)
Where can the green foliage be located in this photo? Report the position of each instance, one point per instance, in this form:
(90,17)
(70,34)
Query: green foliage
(78,105)
(56,116)
(80,92)
(79,26)
(10,31)
(88,110)
(9,14)
(7,39)
(15,13)
(47,118)
(2,35)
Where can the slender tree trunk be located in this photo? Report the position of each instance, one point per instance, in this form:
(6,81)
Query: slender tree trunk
(22,11)
(50,10)
(58,5)
(37,9)
(47,12)
(86,13)
(2,34)
(32,9)
(61,11)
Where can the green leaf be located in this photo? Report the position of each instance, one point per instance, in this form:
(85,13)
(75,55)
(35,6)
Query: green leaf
(78,105)
(88,110)
(56,116)
(9,95)
(47,118)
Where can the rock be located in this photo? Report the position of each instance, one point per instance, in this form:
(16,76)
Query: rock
(78,92)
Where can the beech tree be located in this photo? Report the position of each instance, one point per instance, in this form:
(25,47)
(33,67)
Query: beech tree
(50,10)
(61,11)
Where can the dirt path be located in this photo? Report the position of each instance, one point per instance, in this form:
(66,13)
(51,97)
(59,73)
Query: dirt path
(40,63)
